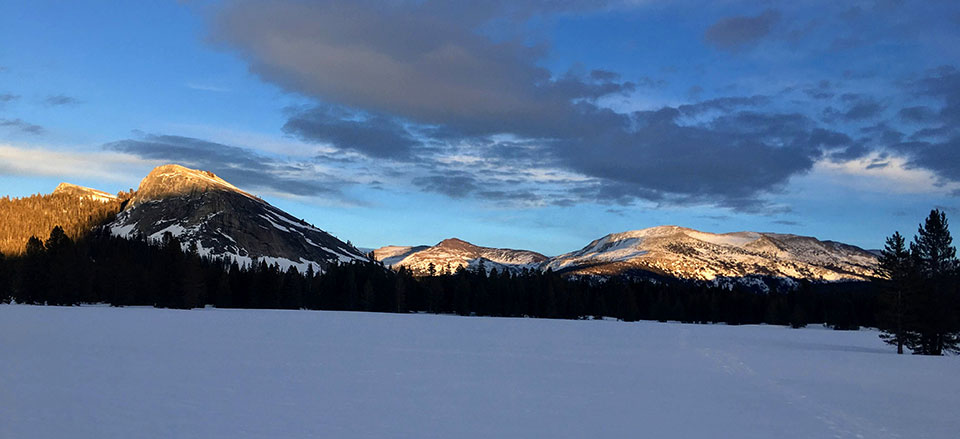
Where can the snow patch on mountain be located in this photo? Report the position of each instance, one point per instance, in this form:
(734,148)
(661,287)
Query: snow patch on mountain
(84,193)
(203,211)
(450,254)
(692,254)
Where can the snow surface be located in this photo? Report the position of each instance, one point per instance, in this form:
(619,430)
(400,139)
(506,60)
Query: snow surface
(93,372)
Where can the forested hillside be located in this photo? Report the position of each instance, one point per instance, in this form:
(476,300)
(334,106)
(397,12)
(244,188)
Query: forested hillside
(36,215)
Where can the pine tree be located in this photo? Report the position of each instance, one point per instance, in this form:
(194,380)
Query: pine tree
(5,292)
(895,269)
(33,278)
(935,303)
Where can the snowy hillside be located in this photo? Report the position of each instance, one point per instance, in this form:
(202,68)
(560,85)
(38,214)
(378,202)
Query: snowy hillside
(84,193)
(200,208)
(691,254)
(452,253)
(390,255)
(99,372)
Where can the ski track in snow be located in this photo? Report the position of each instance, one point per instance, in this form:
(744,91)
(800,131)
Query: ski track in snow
(92,372)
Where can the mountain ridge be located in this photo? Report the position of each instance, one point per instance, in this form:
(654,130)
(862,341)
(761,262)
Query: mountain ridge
(691,254)
(206,212)
(451,253)
(669,250)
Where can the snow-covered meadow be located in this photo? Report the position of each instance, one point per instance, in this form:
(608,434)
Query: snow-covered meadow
(98,372)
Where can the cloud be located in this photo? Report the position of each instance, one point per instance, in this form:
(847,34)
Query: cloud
(454,184)
(442,71)
(7,97)
(736,32)
(823,90)
(935,145)
(372,135)
(878,173)
(242,167)
(724,104)
(448,90)
(60,99)
(21,125)
(863,109)
(787,223)
(63,164)
(917,114)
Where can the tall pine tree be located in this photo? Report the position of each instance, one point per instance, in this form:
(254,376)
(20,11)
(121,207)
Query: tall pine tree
(895,270)
(935,302)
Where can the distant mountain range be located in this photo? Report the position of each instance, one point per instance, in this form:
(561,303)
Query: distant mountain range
(664,251)
(218,219)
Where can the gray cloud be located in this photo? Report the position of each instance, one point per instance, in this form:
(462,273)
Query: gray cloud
(823,90)
(736,32)
(864,109)
(452,184)
(936,146)
(724,104)
(21,125)
(375,136)
(441,70)
(918,114)
(60,99)
(787,223)
(239,166)
(444,83)
(7,97)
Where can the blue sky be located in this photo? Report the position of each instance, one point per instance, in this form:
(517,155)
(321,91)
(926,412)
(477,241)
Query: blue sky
(521,124)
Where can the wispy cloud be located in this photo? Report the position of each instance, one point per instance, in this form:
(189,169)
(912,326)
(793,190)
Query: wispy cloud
(243,167)
(60,99)
(66,164)
(736,32)
(21,125)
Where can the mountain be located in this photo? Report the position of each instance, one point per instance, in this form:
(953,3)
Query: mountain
(690,254)
(452,253)
(76,209)
(202,209)
(392,254)
(83,193)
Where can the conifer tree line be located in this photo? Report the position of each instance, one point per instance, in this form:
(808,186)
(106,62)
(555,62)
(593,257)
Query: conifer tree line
(105,269)
(914,301)
(921,290)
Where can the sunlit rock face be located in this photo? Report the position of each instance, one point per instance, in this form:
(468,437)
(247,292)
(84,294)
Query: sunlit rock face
(84,193)
(203,210)
(691,254)
(450,254)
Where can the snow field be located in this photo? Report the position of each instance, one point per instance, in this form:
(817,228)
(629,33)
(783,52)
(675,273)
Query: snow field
(97,372)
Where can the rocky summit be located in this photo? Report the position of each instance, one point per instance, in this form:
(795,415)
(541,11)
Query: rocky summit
(201,209)
(450,254)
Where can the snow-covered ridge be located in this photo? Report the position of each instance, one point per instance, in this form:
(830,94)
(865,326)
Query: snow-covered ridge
(692,254)
(84,192)
(450,254)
